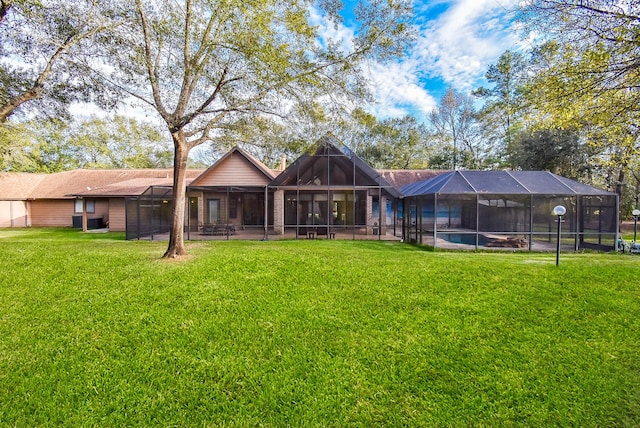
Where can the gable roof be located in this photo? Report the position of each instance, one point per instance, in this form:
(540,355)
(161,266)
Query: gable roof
(328,146)
(225,171)
(500,182)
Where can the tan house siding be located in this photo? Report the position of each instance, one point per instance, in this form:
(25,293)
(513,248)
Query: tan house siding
(117,215)
(60,212)
(233,171)
(52,212)
(13,214)
(101,209)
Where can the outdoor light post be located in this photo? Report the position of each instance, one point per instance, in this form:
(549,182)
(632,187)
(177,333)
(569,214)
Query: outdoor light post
(559,211)
(636,214)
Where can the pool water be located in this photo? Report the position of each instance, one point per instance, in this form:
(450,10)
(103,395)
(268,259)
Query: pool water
(464,238)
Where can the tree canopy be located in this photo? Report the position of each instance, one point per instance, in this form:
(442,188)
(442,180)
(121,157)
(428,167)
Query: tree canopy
(42,43)
(54,145)
(205,66)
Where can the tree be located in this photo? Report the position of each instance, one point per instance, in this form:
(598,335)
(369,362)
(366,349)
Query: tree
(13,156)
(54,145)
(560,96)
(501,115)
(118,142)
(605,32)
(398,143)
(41,42)
(587,77)
(558,151)
(203,66)
(454,123)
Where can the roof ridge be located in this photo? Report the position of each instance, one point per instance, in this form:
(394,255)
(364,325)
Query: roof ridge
(465,179)
(518,181)
(555,177)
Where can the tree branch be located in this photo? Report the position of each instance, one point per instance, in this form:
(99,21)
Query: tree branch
(151,71)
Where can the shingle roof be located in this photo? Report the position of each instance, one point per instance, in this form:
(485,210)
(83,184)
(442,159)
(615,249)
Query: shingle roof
(85,182)
(19,185)
(401,177)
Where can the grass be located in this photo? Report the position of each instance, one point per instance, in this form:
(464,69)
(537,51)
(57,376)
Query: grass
(95,330)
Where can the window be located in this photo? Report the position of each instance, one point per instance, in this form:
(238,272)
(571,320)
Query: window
(91,207)
(213,211)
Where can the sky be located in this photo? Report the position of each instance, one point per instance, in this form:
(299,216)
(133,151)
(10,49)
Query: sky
(457,42)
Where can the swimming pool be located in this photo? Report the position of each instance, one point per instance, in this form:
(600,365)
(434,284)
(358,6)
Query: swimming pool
(464,238)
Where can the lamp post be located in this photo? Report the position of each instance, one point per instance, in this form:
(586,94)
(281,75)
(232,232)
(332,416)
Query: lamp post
(636,214)
(559,211)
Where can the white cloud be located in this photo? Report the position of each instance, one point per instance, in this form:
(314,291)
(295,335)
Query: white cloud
(398,91)
(458,40)
(459,44)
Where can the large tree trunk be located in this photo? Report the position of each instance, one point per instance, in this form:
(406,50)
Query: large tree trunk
(176,237)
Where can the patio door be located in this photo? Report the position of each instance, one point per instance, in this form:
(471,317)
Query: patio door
(213,211)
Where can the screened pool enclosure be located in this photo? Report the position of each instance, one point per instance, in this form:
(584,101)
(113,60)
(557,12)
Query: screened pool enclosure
(149,214)
(508,209)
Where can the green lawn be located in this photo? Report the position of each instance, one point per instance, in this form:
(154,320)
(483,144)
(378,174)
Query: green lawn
(97,331)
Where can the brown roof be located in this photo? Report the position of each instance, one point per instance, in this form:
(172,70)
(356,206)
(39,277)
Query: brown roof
(401,177)
(133,182)
(19,185)
(86,182)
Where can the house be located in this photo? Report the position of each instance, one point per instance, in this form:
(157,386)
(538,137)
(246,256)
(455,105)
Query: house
(328,192)
(59,199)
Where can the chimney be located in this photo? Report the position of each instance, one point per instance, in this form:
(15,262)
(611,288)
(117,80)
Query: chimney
(283,162)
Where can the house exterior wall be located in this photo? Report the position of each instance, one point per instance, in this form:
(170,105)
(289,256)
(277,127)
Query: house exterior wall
(14,214)
(233,171)
(117,215)
(60,212)
(101,209)
(52,212)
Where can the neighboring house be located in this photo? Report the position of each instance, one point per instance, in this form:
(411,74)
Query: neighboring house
(16,197)
(45,200)
(328,191)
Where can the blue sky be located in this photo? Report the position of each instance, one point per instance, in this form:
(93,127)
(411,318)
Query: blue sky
(457,41)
